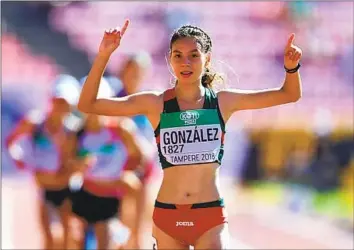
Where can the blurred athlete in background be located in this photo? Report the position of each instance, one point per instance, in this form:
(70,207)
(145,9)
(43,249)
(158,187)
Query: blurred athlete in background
(107,156)
(129,80)
(45,154)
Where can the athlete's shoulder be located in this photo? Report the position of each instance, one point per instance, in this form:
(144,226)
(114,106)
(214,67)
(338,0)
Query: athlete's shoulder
(169,94)
(149,94)
(147,98)
(149,101)
(225,93)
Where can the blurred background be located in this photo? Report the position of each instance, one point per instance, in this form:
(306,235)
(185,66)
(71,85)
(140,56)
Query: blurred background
(288,171)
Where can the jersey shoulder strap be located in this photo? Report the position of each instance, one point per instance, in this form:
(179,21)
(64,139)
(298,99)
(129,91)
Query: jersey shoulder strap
(211,100)
(170,103)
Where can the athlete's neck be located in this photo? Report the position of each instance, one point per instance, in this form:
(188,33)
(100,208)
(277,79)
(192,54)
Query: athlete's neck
(54,123)
(93,124)
(93,128)
(189,93)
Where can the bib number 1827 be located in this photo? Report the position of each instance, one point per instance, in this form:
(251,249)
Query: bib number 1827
(173,149)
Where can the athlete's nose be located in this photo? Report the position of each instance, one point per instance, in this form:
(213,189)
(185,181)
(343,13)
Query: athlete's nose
(186,61)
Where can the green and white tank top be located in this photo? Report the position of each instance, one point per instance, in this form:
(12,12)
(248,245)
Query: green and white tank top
(190,136)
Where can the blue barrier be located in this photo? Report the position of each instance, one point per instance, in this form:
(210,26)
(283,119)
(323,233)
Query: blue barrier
(90,239)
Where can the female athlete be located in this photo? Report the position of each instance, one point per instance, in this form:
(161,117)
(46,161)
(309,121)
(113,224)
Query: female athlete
(102,151)
(189,121)
(48,136)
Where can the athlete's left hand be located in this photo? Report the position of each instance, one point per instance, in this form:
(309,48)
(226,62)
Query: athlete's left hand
(292,53)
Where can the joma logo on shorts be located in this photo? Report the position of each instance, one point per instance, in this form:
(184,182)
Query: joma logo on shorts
(189,117)
(184,224)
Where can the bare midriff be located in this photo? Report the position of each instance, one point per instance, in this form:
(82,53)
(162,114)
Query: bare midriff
(190,184)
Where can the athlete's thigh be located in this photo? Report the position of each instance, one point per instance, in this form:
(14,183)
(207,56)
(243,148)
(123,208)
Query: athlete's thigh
(44,216)
(216,238)
(102,234)
(65,212)
(79,228)
(164,241)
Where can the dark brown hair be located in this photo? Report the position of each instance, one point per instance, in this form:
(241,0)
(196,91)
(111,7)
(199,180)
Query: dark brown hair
(204,40)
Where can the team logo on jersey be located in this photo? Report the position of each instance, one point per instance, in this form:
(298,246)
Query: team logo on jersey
(189,117)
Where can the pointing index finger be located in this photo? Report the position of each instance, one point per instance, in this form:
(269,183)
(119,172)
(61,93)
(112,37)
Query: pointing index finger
(125,26)
(290,40)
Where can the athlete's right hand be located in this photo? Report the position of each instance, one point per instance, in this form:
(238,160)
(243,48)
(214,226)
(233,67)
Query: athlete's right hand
(111,39)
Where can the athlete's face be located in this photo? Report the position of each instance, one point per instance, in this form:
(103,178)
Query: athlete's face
(132,76)
(60,106)
(59,110)
(187,60)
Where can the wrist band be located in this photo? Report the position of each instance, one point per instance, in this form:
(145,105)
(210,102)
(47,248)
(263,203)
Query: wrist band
(292,70)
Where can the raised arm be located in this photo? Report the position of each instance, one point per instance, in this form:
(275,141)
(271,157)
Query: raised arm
(290,91)
(23,127)
(129,105)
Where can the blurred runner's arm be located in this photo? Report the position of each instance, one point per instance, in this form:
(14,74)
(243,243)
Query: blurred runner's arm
(22,128)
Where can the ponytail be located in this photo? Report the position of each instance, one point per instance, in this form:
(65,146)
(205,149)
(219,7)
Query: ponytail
(210,77)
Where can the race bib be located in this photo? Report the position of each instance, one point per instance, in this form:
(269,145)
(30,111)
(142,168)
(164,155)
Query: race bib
(190,137)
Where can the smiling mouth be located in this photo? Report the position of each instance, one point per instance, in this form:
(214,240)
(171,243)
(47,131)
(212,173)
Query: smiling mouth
(186,73)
